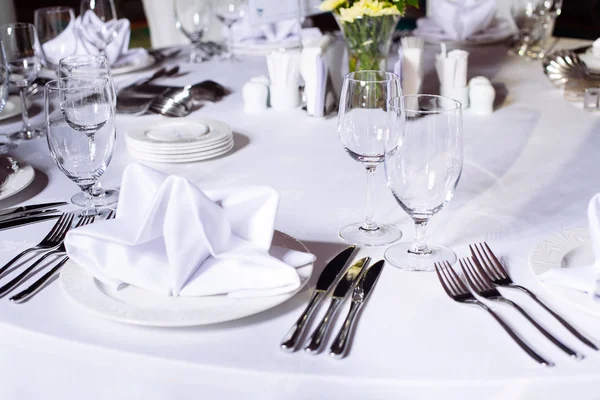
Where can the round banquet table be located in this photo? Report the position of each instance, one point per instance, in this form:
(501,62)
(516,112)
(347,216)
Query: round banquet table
(530,169)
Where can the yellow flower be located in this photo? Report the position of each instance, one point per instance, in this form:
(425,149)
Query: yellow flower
(370,8)
(330,5)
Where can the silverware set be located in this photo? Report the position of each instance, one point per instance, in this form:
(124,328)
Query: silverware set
(52,244)
(356,282)
(483,273)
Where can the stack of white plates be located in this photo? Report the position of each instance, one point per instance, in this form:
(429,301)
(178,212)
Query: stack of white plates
(180,141)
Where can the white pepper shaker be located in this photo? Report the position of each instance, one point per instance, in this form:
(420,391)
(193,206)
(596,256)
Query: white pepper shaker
(481,95)
(255,96)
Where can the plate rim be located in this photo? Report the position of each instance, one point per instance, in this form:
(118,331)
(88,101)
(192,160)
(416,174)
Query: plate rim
(17,110)
(148,62)
(24,168)
(213,126)
(170,160)
(181,323)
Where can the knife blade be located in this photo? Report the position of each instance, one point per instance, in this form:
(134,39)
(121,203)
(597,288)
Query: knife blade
(24,214)
(326,279)
(25,221)
(15,210)
(359,297)
(339,294)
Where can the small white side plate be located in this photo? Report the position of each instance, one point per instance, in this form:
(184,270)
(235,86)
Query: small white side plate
(17,180)
(11,108)
(571,248)
(139,307)
(182,134)
(135,65)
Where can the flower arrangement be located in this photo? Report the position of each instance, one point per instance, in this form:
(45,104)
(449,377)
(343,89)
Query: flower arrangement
(367,27)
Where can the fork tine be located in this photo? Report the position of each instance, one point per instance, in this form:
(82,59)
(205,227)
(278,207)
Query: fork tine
(59,226)
(111,214)
(457,281)
(58,223)
(437,270)
(468,276)
(446,275)
(63,229)
(487,261)
(481,273)
(483,285)
(478,257)
(496,263)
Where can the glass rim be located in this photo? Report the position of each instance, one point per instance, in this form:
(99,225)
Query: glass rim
(391,75)
(457,104)
(70,58)
(54,85)
(17,25)
(54,9)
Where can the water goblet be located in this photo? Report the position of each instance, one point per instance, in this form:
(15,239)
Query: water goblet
(23,60)
(56,32)
(95,65)
(81,131)
(229,12)
(423,164)
(193,19)
(362,128)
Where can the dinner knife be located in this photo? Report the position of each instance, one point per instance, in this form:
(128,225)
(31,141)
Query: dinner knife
(25,221)
(343,287)
(326,279)
(359,296)
(21,209)
(25,214)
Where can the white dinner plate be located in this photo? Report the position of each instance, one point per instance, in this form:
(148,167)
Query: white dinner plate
(17,179)
(180,158)
(180,134)
(140,307)
(11,108)
(183,153)
(571,248)
(136,64)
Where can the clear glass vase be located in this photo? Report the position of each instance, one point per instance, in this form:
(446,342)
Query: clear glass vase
(368,41)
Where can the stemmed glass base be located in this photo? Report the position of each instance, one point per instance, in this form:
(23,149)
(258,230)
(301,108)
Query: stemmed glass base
(401,256)
(356,234)
(108,198)
(27,134)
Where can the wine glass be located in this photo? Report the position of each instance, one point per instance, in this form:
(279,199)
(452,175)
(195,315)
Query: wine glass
(81,131)
(362,126)
(100,35)
(423,163)
(193,19)
(535,21)
(4,147)
(95,65)
(20,46)
(229,12)
(56,33)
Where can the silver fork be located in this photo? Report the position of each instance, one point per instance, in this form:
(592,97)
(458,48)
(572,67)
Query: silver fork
(52,240)
(60,249)
(485,258)
(485,288)
(169,107)
(456,289)
(36,287)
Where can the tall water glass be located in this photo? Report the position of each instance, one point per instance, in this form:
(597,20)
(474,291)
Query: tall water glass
(24,63)
(81,131)
(95,65)
(101,34)
(362,127)
(56,32)
(193,19)
(423,163)
(229,12)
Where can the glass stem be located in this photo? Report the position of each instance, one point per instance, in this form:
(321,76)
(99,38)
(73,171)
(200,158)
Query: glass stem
(89,204)
(370,224)
(24,113)
(419,246)
(229,41)
(97,190)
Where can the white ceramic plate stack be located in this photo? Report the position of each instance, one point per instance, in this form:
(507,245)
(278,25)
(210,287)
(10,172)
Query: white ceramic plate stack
(180,141)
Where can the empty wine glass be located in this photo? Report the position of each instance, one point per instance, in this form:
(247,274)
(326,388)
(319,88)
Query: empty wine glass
(229,12)
(423,163)
(535,21)
(193,19)
(4,147)
(56,33)
(362,126)
(20,44)
(100,35)
(81,131)
(95,65)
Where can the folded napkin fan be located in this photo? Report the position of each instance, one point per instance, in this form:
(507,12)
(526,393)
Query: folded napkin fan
(171,238)
(584,278)
(276,32)
(459,19)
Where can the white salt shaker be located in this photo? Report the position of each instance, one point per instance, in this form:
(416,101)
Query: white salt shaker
(255,96)
(481,95)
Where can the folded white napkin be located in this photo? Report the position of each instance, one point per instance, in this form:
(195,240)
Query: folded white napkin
(87,36)
(171,238)
(273,33)
(314,73)
(459,19)
(581,278)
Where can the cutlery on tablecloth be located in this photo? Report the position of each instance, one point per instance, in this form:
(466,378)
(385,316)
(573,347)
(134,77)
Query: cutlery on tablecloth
(483,286)
(52,240)
(27,220)
(28,214)
(487,260)
(37,286)
(326,280)
(360,294)
(344,286)
(457,290)
(14,211)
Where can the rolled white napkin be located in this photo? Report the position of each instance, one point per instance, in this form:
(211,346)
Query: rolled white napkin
(582,278)
(171,238)
(460,19)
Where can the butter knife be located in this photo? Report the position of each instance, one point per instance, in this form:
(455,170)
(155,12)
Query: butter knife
(326,279)
(16,210)
(343,287)
(26,214)
(359,296)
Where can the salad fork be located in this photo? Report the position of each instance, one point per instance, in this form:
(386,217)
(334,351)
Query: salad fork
(456,289)
(487,260)
(485,288)
(51,241)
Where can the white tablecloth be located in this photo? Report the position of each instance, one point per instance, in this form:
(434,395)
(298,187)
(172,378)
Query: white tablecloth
(530,169)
